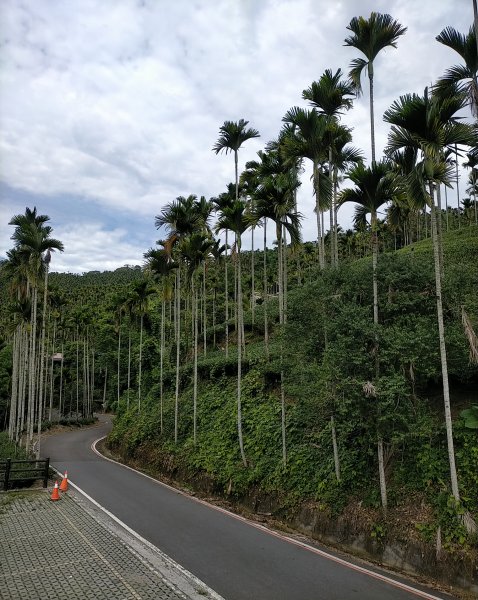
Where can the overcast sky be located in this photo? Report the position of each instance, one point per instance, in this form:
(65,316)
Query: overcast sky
(109,108)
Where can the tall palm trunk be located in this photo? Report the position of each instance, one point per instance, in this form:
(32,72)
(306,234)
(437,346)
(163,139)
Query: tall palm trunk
(331,213)
(104,387)
(265,299)
(50,410)
(381,462)
(372,120)
(320,246)
(15,381)
(280,248)
(195,373)
(161,359)
(178,340)
(23,383)
(77,372)
(253,279)
(374,266)
(443,355)
(336,233)
(118,371)
(32,371)
(92,382)
(140,365)
(335,448)
(61,410)
(226,292)
(129,366)
(239,349)
(204,311)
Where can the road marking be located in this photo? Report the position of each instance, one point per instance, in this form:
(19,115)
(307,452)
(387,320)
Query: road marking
(168,560)
(322,553)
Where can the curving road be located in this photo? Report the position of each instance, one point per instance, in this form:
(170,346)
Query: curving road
(238,559)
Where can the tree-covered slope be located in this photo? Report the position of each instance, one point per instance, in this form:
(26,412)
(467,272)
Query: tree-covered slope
(328,353)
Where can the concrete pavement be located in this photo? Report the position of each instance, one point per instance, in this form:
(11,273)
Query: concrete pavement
(71,549)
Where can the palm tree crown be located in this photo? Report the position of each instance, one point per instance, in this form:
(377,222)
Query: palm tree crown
(233,135)
(370,36)
(464,76)
(330,95)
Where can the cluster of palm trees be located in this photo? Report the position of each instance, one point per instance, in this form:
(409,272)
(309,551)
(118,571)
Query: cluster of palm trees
(426,137)
(425,140)
(27,267)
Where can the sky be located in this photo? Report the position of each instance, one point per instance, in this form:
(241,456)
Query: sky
(109,109)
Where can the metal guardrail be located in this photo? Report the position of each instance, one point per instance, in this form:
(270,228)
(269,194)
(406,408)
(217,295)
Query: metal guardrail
(13,471)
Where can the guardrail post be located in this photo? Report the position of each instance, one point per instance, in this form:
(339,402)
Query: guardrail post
(7,473)
(47,468)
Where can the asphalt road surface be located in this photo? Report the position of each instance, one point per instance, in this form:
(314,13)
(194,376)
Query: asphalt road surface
(238,559)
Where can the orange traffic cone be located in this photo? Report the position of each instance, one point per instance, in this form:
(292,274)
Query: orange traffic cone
(55,495)
(64,482)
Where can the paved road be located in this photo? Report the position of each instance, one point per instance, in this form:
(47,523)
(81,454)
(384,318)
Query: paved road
(238,560)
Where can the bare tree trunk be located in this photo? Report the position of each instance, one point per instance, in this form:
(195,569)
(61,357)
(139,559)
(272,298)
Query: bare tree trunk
(265,300)
(204,320)
(335,448)
(119,363)
(61,411)
(443,356)
(457,179)
(161,362)
(381,472)
(226,292)
(77,372)
(104,388)
(32,372)
(140,366)
(129,366)
(239,350)
(195,374)
(92,380)
(15,381)
(50,410)
(318,213)
(253,289)
(178,340)
(372,122)
(280,276)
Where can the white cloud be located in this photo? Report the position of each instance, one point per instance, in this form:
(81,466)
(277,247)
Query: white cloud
(119,102)
(88,247)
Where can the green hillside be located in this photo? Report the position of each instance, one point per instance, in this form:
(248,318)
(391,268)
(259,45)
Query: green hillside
(329,355)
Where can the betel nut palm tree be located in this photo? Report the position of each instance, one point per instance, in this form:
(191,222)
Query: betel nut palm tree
(139,300)
(195,249)
(275,200)
(33,240)
(331,95)
(180,219)
(160,264)
(307,138)
(428,124)
(373,187)
(232,134)
(370,36)
(231,137)
(234,218)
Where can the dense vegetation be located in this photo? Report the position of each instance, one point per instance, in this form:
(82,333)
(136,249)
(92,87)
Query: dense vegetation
(334,371)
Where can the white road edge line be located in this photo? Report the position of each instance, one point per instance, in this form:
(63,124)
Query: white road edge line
(336,559)
(200,584)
